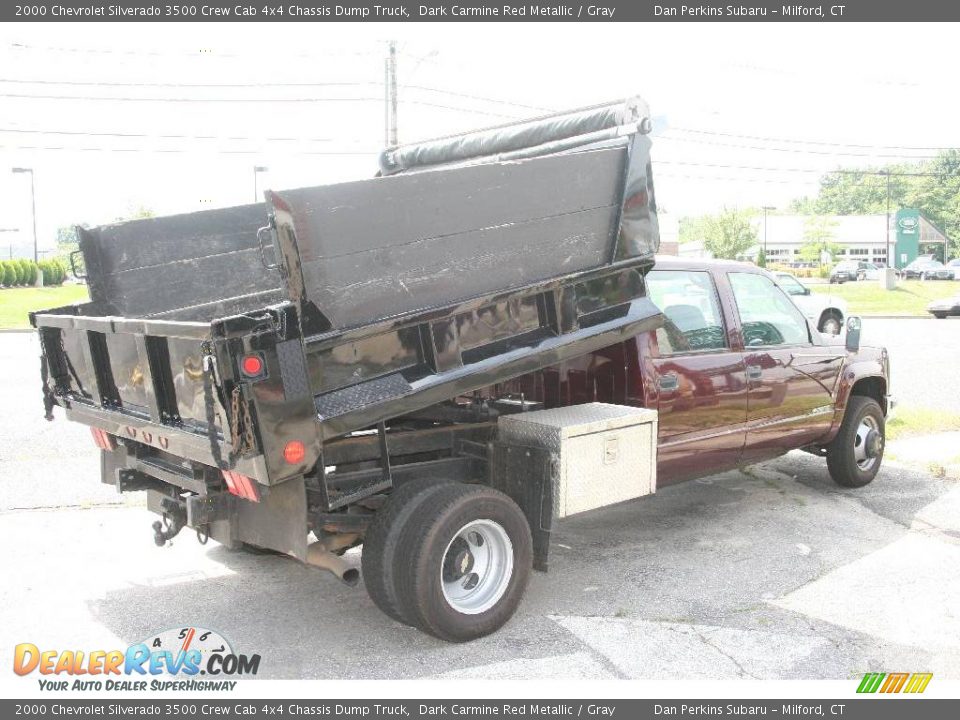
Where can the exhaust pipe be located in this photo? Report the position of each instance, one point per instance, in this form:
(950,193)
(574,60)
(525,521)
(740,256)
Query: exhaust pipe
(320,556)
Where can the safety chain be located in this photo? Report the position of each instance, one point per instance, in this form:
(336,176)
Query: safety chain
(240,415)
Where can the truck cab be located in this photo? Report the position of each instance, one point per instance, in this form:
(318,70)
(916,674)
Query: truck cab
(736,373)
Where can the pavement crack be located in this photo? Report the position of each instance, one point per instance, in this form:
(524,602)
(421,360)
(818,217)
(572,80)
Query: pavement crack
(741,670)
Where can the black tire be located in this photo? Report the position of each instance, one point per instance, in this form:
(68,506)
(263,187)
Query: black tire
(431,530)
(940,316)
(841,453)
(380,544)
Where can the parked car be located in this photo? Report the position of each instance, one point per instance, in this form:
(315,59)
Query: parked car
(927,269)
(954,267)
(868,271)
(825,311)
(850,270)
(943,308)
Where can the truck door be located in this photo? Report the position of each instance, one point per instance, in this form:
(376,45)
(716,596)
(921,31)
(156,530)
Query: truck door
(789,403)
(697,381)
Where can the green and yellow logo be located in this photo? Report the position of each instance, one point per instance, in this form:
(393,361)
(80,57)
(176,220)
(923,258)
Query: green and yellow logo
(894,682)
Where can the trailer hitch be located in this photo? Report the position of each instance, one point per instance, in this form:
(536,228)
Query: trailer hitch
(173,521)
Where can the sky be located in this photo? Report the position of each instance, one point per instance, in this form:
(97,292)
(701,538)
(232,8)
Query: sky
(174,117)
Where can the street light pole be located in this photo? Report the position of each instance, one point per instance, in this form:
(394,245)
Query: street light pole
(257,169)
(33,207)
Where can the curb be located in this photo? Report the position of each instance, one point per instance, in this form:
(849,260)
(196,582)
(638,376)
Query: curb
(17,330)
(897,317)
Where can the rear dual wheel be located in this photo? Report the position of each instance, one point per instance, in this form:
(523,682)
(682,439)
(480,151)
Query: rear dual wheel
(460,560)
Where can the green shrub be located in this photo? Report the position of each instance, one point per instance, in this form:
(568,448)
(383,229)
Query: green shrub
(54,273)
(24,271)
(9,274)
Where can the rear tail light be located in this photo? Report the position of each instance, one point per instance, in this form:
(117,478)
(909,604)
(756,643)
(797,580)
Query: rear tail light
(294,452)
(241,486)
(103,440)
(252,366)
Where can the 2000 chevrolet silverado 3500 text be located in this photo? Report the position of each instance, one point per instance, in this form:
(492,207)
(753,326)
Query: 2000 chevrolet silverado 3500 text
(441,361)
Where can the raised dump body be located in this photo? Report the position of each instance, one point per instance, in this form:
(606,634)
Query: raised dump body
(266,370)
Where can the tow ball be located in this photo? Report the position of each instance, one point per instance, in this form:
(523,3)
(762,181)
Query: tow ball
(166,529)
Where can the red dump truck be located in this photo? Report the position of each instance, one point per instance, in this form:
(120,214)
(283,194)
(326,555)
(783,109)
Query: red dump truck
(440,362)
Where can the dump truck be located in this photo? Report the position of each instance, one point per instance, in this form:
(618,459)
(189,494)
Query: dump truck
(331,368)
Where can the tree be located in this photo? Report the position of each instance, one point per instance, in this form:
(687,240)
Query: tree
(818,234)
(761,258)
(932,187)
(729,234)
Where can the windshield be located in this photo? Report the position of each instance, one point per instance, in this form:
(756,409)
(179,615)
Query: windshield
(791,285)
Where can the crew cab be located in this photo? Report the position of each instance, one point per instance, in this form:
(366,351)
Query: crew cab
(737,375)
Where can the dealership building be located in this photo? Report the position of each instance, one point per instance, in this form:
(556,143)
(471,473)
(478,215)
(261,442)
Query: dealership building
(859,237)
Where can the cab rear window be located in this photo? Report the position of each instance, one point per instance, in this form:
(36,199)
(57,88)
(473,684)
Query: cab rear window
(688,300)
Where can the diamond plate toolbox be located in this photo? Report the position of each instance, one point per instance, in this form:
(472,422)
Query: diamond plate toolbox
(605,453)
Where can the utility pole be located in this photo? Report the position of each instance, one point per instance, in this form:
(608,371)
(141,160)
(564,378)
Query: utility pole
(9,246)
(891,260)
(765,209)
(257,169)
(33,206)
(390,98)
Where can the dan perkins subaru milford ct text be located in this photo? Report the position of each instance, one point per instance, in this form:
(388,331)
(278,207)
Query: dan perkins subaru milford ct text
(786,11)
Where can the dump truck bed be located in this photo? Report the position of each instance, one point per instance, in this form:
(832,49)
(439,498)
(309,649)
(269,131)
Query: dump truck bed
(468,261)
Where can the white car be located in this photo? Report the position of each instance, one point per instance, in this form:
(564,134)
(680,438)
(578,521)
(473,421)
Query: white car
(954,267)
(826,311)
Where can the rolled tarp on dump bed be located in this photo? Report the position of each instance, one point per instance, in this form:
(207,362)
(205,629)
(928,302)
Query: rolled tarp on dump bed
(539,136)
(481,214)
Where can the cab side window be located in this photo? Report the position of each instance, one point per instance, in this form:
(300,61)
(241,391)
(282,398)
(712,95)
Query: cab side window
(767,316)
(688,300)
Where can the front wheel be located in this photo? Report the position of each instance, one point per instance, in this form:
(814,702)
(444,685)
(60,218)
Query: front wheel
(854,456)
(468,556)
(940,316)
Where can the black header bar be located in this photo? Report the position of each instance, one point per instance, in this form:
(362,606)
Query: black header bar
(899,11)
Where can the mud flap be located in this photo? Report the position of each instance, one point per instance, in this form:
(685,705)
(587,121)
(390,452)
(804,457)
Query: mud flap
(279,521)
(525,474)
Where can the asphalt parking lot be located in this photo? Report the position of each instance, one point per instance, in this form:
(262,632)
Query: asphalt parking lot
(774,572)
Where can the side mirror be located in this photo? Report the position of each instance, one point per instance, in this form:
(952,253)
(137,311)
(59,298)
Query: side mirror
(853,333)
(806,291)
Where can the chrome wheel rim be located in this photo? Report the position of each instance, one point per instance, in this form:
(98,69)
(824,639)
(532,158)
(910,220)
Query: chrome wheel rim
(476,567)
(861,441)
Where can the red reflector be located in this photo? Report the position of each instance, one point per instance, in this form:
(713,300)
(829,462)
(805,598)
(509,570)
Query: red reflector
(102,439)
(294,452)
(241,486)
(251,365)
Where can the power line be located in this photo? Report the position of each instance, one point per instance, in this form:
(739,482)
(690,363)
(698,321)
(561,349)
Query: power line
(806,170)
(272,84)
(203,52)
(84,98)
(64,148)
(804,142)
(164,136)
(803,151)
